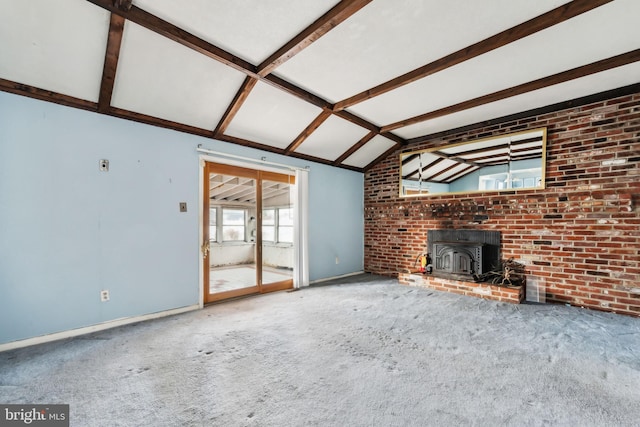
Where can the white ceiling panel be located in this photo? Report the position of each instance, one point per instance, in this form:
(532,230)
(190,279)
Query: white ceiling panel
(391,37)
(272,117)
(332,139)
(252,30)
(607,80)
(369,152)
(54,45)
(163,79)
(579,41)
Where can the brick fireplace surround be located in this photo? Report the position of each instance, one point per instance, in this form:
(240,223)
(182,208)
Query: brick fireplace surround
(579,237)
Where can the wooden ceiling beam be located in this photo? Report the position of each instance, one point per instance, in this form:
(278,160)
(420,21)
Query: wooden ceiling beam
(539,23)
(156,121)
(397,139)
(480,150)
(294,90)
(455,157)
(565,76)
(114,41)
(350,117)
(178,35)
(315,124)
(410,158)
(424,168)
(247,143)
(368,137)
(463,172)
(123,4)
(33,92)
(46,95)
(381,157)
(551,108)
(338,14)
(443,171)
(241,96)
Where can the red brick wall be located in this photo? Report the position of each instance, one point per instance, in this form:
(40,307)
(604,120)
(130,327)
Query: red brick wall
(579,237)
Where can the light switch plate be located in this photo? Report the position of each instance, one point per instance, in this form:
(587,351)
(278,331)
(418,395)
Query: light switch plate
(183,206)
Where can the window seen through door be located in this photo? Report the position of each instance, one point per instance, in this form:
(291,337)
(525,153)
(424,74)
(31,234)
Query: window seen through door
(269,225)
(285,225)
(277,225)
(233,224)
(213,229)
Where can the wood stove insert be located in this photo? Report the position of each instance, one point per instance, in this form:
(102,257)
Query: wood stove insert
(463,254)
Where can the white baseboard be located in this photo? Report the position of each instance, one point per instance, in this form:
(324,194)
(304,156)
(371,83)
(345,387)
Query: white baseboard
(94,328)
(355,273)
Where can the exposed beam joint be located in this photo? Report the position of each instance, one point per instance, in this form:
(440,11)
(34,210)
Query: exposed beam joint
(116,29)
(320,27)
(395,138)
(315,124)
(178,35)
(242,95)
(33,92)
(546,20)
(123,5)
(565,76)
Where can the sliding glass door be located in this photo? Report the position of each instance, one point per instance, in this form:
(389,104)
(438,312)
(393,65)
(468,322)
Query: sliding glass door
(248,245)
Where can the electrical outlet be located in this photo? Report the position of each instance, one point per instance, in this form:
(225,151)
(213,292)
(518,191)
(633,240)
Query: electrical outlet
(104,296)
(104,165)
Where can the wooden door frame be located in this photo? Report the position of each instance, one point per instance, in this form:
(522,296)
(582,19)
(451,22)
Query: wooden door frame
(268,173)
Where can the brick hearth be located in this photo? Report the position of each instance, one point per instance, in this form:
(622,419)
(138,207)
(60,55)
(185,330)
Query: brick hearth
(480,290)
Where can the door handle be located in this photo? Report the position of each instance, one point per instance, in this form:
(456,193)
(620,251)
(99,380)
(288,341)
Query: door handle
(205,249)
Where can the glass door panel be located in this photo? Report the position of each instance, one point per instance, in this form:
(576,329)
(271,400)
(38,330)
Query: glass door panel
(277,232)
(232,257)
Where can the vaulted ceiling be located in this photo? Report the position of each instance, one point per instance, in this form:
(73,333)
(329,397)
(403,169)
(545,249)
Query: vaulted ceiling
(338,82)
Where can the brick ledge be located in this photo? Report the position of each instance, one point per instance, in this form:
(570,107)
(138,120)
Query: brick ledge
(480,290)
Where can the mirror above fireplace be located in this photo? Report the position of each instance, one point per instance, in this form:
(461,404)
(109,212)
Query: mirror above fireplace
(509,162)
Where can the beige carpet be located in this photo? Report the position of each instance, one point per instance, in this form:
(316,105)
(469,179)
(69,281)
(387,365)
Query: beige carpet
(365,351)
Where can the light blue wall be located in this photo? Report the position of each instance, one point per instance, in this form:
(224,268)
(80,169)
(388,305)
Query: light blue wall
(338,215)
(68,230)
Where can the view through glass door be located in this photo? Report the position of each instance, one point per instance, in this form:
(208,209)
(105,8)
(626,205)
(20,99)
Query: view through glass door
(248,244)
(277,232)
